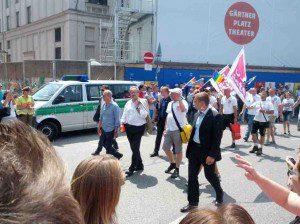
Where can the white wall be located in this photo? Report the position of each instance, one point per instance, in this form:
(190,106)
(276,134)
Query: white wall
(193,31)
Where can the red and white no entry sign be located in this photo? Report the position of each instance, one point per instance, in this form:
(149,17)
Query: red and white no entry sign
(148,58)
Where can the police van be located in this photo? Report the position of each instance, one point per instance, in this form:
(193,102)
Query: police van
(70,104)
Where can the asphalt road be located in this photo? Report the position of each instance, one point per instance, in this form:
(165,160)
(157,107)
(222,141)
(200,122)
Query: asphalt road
(152,197)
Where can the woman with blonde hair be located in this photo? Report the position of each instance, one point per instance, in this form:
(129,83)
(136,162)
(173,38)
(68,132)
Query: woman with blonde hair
(96,185)
(235,214)
(202,216)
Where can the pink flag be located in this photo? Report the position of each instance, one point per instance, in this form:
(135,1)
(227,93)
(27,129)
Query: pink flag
(237,75)
(220,86)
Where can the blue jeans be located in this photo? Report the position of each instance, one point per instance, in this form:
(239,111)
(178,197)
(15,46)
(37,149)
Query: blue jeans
(250,124)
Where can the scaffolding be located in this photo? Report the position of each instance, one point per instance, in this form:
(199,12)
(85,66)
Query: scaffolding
(117,47)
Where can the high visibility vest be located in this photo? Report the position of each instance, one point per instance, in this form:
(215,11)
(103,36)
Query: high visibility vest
(21,101)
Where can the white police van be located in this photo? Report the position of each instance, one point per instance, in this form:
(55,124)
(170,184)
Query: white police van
(70,104)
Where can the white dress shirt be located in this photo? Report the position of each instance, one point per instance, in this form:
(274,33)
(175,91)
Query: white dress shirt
(250,99)
(198,124)
(275,100)
(131,116)
(265,105)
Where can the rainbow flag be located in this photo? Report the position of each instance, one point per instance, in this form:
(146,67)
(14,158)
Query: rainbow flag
(217,77)
(192,81)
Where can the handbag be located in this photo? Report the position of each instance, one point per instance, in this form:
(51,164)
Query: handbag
(236,131)
(185,131)
(149,126)
(96,117)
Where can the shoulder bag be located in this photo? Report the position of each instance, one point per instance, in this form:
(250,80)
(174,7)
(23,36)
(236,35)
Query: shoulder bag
(267,122)
(185,131)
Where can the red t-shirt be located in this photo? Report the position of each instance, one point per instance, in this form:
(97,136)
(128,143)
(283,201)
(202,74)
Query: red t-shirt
(141,94)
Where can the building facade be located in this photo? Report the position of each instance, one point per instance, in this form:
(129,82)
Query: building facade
(65,29)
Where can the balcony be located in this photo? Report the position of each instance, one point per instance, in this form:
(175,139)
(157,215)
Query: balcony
(96,8)
(141,6)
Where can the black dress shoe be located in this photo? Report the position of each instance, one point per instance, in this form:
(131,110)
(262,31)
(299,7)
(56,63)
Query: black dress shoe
(95,154)
(129,173)
(154,154)
(259,152)
(118,155)
(188,208)
(170,168)
(218,203)
(175,174)
(245,139)
(255,148)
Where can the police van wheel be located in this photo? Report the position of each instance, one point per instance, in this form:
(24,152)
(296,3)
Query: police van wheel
(49,129)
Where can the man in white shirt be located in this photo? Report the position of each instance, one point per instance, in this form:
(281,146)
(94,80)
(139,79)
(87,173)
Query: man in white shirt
(251,98)
(287,111)
(134,119)
(263,108)
(276,102)
(179,108)
(228,109)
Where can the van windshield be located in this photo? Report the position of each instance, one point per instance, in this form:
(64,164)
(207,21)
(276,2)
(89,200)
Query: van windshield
(46,92)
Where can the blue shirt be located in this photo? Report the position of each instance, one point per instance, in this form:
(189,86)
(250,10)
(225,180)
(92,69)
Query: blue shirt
(1,98)
(110,116)
(198,125)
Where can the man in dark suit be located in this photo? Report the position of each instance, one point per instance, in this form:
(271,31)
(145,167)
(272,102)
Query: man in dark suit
(204,149)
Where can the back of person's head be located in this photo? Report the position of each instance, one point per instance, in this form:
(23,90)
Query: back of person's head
(202,216)
(33,186)
(141,87)
(235,214)
(96,185)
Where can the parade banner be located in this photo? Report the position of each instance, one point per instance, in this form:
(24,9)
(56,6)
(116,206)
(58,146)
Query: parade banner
(220,86)
(237,76)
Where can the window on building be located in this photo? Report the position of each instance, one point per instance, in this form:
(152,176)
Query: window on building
(18,19)
(58,34)
(58,53)
(89,34)
(99,2)
(0,46)
(7,23)
(8,59)
(29,14)
(89,52)
(7,3)
(8,44)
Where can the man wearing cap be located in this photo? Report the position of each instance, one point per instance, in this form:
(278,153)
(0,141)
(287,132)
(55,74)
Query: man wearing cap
(25,106)
(179,108)
(2,92)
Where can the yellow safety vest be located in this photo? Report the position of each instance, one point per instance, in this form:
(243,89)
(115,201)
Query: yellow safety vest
(21,101)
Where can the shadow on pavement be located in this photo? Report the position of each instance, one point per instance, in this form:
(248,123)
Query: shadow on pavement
(210,190)
(271,158)
(283,147)
(262,198)
(179,183)
(143,181)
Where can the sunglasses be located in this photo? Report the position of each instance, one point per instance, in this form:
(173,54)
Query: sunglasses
(293,172)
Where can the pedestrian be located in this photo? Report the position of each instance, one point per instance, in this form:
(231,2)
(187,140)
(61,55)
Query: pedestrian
(25,107)
(263,108)
(161,118)
(228,109)
(96,185)
(9,104)
(151,100)
(204,149)
(2,92)
(176,110)
(142,89)
(190,96)
(109,124)
(134,120)
(275,100)
(251,98)
(96,118)
(287,111)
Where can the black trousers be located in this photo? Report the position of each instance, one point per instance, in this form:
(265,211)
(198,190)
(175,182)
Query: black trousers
(107,140)
(160,131)
(102,143)
(195,162)
(134,135)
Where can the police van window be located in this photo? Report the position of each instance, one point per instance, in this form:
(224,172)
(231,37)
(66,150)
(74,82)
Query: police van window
(72,94)
(120,91)
(93,92)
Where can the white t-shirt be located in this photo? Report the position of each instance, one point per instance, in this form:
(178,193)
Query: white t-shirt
(228,104)
(275,100)
(289,104)
(265,105)
(12,116)
(181,116)
(212,100)
(251,100)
